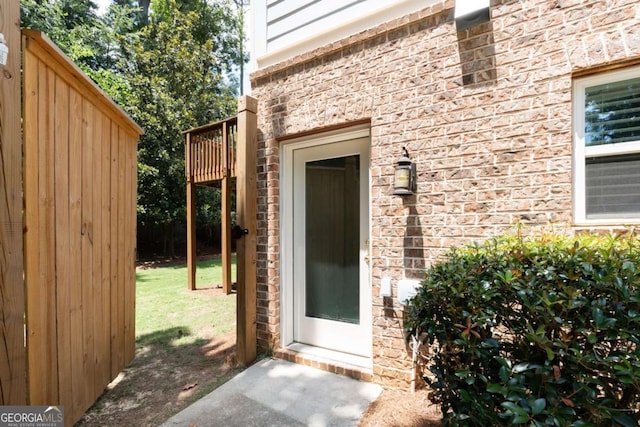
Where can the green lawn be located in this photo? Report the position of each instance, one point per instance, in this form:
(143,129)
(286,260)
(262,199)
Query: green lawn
(169,314)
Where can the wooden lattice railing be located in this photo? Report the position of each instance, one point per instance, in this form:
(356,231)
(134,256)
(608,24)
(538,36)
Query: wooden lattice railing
(211,151)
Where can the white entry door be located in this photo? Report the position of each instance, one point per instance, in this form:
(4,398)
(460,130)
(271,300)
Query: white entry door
(329,204)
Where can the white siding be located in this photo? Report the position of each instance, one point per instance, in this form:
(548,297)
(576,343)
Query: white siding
(284,28)
(288,21)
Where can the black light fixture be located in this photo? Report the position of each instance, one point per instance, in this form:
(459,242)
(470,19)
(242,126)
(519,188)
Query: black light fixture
(404,179)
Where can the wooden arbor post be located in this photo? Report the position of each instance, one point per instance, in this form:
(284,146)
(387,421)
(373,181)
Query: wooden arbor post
(246,205)
(13,386)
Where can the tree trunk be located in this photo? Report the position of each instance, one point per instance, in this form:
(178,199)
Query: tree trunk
(144,5)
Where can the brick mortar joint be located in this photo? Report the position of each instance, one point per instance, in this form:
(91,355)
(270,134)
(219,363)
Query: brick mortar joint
(361,37)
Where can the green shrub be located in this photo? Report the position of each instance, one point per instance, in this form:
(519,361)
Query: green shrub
(541,331)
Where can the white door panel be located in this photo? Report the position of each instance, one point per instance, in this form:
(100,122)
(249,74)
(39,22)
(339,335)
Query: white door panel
(329,217)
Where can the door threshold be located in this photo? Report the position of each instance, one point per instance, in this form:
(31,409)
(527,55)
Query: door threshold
(328,356)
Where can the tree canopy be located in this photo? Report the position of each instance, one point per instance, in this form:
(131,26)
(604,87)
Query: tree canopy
(170,64)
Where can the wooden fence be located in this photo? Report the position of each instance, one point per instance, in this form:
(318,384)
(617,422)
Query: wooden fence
(12,351)
(80,216)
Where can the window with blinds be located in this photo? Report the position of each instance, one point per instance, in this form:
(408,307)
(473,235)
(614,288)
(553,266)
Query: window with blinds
(612,113)
(613,186)
(607,147)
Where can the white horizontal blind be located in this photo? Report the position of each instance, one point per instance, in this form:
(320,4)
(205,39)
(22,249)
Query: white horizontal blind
(613,186)
(612,113)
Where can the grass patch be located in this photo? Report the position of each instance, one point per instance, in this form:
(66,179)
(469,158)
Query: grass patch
(169,314)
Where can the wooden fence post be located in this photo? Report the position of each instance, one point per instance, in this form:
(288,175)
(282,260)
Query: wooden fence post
(13,389)
(191,218)
(226,210)
(246,205)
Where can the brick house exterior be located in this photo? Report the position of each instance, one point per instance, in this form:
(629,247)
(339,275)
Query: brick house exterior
(485,113)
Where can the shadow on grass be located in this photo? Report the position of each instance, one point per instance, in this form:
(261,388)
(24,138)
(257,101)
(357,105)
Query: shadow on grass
(140,277)
(166,337)
(169,372)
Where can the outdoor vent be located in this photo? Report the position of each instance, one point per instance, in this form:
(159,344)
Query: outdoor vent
(469,13)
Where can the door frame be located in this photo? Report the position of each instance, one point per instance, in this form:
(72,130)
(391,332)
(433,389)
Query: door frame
(287,150)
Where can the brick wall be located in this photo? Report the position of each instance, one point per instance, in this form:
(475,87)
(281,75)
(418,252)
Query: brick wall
(485,114)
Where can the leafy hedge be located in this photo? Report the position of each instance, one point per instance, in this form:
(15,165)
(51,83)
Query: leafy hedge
(541,331)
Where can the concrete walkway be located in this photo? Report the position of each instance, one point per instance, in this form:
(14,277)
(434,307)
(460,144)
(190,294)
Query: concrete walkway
(274,392)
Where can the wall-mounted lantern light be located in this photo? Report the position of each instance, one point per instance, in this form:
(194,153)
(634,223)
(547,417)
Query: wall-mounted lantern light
(404,179)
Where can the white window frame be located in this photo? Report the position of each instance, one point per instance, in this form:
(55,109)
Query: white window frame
(582,152)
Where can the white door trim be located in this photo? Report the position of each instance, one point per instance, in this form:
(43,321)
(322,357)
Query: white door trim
(287,233)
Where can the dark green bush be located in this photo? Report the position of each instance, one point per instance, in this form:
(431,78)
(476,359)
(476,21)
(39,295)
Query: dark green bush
(541,332)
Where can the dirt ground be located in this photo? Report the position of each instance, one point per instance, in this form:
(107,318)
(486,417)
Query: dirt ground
(161,381)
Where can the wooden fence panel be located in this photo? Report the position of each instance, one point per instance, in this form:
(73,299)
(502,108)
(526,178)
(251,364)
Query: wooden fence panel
(75,403)
(80,207)
(131,163)
(63,241)
(39,265)
(104,356)
(12,298)
(115,293)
